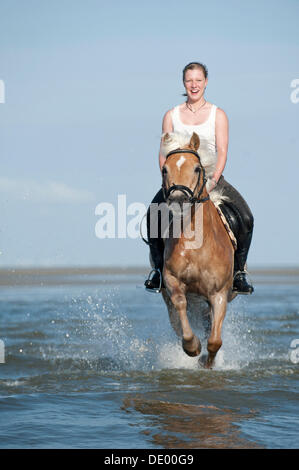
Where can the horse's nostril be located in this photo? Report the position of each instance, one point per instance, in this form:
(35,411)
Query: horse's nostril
(177,199)
(178,196)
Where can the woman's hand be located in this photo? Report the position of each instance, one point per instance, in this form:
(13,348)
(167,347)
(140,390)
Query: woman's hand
(211,184)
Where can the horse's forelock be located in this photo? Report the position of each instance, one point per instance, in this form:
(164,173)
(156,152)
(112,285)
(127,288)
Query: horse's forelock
(173,141)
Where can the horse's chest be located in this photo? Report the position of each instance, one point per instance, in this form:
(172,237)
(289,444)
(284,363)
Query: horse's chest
(183,267)
(188,267)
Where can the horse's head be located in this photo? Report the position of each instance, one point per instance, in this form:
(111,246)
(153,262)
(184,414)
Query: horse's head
(183,175)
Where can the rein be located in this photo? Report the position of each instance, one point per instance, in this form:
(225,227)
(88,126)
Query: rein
(187,191)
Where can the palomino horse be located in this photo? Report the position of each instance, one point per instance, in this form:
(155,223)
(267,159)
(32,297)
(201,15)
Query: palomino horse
(205,268)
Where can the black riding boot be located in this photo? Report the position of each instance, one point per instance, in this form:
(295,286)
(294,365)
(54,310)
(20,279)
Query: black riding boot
(241,221)
(156,245)
(155,282)
(242,227)
(241,285)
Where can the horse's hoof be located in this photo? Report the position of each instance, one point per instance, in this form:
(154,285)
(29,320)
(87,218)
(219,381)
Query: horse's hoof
(202,361)
(206,362)
(192,347)
(209,365)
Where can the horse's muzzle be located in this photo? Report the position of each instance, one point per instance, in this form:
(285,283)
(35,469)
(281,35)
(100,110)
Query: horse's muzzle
(178,197)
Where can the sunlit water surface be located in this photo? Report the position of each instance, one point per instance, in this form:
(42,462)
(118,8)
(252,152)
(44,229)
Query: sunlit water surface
(98,366)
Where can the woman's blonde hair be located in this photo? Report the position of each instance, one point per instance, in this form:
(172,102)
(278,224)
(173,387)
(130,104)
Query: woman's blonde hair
(195,65)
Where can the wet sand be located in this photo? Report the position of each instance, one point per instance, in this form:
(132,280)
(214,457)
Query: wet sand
(73,275)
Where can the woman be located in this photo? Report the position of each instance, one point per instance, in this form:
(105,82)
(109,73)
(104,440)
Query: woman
(211,124)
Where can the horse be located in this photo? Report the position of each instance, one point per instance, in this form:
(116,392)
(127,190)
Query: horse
(203,268)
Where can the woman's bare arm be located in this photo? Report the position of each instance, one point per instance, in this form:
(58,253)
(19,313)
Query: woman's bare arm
(221,132)
(166,127)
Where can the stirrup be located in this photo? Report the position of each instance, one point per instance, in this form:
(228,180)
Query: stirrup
(158,290)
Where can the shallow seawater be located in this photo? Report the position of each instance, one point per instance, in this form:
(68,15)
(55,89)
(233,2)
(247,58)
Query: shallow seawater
(98,366)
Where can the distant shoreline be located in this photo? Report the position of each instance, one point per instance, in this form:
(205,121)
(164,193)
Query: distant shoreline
(105,275)
(282,270)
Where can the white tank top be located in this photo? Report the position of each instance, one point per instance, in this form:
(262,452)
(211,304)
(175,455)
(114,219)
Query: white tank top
(206,133)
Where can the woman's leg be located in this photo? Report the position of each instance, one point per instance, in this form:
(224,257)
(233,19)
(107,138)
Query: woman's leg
(156,244)
(243,232)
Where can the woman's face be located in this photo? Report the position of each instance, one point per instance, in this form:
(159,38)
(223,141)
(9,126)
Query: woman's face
(195,83)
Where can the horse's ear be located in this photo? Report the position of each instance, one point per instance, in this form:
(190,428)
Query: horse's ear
(194,142)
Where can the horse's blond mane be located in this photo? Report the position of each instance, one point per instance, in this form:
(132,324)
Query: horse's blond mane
(172,141)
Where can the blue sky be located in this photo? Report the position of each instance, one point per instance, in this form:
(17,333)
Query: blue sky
(86,87)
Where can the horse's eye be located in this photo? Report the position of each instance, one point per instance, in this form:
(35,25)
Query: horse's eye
(197,169)
(164,171)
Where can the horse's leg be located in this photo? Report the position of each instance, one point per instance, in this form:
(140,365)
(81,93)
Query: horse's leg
(173,314)
(218,304)
(190,342)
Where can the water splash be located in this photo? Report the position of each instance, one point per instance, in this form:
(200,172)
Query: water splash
(104,329)
(109,330)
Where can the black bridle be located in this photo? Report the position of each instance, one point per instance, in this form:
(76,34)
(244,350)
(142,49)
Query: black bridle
(187,191)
